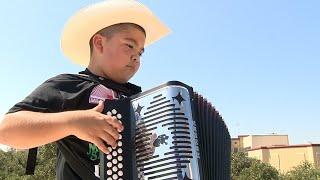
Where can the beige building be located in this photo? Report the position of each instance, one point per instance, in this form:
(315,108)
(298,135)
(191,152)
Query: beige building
(275,150)
(285,157)
(247,142)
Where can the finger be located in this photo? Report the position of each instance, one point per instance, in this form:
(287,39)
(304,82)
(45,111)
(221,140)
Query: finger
(99,107)
(106,137)
(111,130)
(118,123)
(114,122)
(99,143)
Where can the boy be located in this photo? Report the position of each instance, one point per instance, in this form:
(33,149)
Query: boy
(109,38)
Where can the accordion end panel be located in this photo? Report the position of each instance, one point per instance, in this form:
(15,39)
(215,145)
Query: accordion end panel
(179,135)
(171,133)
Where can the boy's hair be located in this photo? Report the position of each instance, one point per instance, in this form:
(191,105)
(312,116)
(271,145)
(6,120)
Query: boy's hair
(109,31)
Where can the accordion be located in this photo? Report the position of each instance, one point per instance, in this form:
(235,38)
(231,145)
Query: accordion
(171,133)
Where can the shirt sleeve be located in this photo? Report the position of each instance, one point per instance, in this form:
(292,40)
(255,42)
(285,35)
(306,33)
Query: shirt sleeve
(45,98)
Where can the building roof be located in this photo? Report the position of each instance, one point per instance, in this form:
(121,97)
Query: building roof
(269,135)
(262,135)
(280,146)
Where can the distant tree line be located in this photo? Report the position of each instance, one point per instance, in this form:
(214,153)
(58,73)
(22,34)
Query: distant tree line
(246,168)
(13,163)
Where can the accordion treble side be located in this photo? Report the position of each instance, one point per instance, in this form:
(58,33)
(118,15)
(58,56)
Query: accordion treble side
(171,132)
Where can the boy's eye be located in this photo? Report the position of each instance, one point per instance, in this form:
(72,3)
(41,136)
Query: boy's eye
(130,46)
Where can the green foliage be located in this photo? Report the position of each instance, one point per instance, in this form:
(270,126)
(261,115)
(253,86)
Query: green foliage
(304,171)
(244,168)
(239,161)
(259,170)
(13,164)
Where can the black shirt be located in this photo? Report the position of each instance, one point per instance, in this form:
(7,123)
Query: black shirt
(75,158)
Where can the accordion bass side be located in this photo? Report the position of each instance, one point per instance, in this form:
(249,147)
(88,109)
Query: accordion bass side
(171,133)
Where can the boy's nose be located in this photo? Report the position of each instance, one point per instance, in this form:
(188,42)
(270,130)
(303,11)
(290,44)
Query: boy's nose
(135,58)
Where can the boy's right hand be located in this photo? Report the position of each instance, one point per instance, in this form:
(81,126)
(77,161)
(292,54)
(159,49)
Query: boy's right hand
(94,126)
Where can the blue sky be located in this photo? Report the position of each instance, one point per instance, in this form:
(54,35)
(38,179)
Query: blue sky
(257,61)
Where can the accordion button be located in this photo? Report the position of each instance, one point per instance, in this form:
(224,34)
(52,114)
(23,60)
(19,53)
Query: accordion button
(120,158)
(114,111)
(109,172)
(120,143)
(109,113)
(115,176)
(120,165)
(120,122)
(109,157)
(109,178)
(109,164)
(110,149)
(114,153)
(119,116)
(114,161)
(120,150)
(120,136)
(120,173)
(114,169)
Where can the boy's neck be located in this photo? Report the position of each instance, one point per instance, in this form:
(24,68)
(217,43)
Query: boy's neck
(95,70)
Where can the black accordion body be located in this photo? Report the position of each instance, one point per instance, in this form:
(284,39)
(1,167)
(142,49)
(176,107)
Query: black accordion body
(171,133)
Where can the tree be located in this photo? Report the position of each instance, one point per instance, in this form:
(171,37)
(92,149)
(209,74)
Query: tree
(244,167)
(259,170)
(13,164)
(239,161)
(304,171)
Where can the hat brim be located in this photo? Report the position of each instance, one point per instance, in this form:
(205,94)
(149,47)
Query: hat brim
(88,21)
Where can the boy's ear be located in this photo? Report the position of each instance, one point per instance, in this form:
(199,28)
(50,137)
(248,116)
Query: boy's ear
(97,43)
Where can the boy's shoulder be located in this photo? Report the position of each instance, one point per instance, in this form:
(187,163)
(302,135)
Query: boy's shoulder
(84,80)
(70,79)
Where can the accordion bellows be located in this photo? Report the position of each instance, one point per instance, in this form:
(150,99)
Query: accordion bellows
(171,133)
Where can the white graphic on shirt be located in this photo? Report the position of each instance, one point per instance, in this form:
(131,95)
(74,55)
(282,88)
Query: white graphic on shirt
(97,170)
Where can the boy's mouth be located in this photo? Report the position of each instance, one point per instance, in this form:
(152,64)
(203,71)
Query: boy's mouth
(130,67)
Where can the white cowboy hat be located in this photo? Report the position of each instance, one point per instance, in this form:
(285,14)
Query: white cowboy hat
(91,19)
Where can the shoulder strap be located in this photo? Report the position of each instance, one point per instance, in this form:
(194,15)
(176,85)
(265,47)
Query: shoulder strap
(31,162)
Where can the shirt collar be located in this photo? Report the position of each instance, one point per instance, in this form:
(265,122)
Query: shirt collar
(126,88)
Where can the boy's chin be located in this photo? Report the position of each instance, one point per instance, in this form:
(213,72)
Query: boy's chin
(120,81)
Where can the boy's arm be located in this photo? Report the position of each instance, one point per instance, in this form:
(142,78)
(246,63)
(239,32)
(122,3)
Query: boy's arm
(26,129)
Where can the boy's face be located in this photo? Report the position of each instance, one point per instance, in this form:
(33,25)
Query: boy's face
(118,57)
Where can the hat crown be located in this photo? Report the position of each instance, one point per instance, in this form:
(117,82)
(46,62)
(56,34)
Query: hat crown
(89,20)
